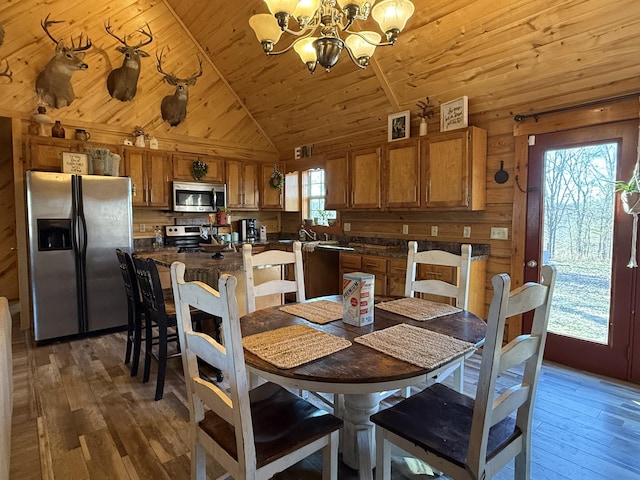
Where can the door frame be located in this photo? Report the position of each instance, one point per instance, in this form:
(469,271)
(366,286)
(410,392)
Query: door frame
(611,359)
(608,111)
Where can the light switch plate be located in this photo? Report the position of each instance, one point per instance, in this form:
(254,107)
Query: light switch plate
(434,231)
(143,227)
(405,229)
(498,233)
(466,232)
(346,227)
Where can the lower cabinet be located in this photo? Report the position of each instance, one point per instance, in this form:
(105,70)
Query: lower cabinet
(390,276)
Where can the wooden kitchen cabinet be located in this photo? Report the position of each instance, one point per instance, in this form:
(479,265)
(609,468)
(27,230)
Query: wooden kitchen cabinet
(402,174)
(292,192)
(45,153)
(183,163)
(242,185)
(150,172)
(454,170)
(270,198)
(365,174)
(353,262)
(336,174)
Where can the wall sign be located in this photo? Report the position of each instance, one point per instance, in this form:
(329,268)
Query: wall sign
(76,163)
(454,114)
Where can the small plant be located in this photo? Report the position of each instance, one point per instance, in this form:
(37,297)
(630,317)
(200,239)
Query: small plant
(631,186)
(426,109)
(138,131)
(199,169)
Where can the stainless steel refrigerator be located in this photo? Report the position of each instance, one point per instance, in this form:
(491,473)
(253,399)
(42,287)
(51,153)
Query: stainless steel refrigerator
(75,223)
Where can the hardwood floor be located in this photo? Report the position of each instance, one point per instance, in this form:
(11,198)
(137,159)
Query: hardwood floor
(78,414)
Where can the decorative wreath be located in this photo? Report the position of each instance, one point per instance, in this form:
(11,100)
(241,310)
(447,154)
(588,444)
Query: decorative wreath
(199,169)
(277,179)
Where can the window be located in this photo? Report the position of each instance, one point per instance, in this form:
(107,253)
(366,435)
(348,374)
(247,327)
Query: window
(313,197)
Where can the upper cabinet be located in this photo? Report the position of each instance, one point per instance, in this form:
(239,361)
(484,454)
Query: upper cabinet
(242,185)
(271,198)
(150,172)
(183,167)
(45,153)
(365,166)
(454,170)
(353,179)
(402,174)
(336,171)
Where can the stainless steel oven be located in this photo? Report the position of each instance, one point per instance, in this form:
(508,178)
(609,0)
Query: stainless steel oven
(199,197)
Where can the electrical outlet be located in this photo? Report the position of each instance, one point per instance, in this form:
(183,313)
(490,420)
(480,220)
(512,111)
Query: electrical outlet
(434,231)
(143,227)
(466,232)
(405,229)
(499,233)
(346,227)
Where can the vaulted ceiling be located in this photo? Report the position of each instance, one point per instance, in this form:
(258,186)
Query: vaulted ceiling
(520,54)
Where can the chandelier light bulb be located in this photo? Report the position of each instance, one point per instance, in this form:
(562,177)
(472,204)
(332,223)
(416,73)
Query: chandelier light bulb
(266,29)
(392,16)
(305,10)
(307,52)
(361,48)
(281,6)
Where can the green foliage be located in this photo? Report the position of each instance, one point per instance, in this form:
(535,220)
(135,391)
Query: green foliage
(631,186)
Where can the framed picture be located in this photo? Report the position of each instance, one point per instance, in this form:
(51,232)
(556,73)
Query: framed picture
(399,126)
(74,162)
(454,114)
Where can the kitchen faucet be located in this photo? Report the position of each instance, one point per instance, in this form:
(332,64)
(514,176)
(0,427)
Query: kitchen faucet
(304,232)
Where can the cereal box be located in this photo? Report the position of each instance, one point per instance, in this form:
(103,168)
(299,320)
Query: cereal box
(357,298)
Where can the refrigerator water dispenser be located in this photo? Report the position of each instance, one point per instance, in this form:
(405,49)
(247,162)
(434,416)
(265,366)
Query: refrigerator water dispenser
(54,234)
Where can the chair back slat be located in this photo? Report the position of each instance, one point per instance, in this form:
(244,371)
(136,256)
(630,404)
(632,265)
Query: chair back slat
(527,349)
(272,258)
(462,262)
(234,406)
(214,397)
(208,350)
(517,351)
(508,401)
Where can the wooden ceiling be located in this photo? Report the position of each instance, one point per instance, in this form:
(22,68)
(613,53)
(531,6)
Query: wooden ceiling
(520,55)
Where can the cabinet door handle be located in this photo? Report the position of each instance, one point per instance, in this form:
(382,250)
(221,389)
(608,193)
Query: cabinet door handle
(426,194)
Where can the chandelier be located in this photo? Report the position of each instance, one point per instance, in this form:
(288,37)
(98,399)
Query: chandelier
(320,23)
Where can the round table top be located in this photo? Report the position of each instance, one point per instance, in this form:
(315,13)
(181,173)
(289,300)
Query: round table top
(358,368)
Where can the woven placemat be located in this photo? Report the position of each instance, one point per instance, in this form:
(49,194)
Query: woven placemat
(418,308)
(322,311)
(289,347)
(416,345)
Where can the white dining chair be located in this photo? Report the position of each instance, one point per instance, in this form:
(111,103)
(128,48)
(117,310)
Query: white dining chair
(252,434)
(470,438)
(458,291)
(277,286)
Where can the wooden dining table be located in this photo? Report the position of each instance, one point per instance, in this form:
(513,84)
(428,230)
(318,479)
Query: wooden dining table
(358,372)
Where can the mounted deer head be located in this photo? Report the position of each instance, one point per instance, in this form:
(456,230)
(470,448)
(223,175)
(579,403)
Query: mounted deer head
(6,72)
(174,107)
(122,82)
(54,82)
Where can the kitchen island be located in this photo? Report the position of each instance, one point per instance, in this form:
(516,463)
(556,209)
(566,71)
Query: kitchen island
(202,267)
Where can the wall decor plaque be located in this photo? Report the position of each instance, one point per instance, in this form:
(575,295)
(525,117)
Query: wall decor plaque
(75,162)
(454,114)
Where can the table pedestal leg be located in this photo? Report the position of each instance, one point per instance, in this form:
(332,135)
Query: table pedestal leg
(358,449)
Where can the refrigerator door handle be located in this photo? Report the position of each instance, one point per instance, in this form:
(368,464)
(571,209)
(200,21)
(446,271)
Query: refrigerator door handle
(80,232)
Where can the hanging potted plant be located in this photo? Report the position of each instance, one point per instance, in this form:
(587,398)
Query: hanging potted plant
(199,169)
(630,198)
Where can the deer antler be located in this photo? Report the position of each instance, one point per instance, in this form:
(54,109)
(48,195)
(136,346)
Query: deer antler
(6,72)
(45,26)
(46,23)
(199,73)
(149,35)
(107,27)
(159,67)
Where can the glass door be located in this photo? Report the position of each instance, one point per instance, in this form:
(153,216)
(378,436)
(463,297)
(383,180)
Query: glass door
(576,222)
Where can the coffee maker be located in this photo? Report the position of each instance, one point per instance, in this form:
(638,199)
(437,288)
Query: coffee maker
(247,230)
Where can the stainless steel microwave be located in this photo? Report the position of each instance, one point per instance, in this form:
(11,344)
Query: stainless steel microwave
(199,197)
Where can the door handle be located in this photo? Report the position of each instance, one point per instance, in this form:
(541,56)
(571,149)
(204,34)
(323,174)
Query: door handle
(532,264)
